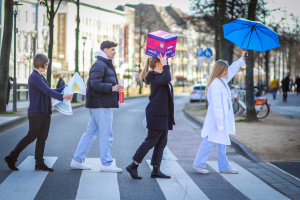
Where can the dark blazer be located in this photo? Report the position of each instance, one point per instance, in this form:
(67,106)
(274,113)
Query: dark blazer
(40,93)
(285,84)
(102,77)
(160,110)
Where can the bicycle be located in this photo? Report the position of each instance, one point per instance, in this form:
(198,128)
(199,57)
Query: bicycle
(262,106)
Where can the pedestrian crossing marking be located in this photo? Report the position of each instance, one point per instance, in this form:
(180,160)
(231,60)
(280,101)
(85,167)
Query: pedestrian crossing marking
(168,155)
(180,186)
(25,184)
(248,184)
(98,185)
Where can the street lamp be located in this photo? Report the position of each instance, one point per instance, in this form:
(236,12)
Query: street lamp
(84,40)
(16,4)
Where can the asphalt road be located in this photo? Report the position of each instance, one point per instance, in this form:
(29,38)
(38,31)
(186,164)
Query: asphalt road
(129,131)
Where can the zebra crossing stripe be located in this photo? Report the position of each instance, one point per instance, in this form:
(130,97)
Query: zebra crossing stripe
(248,184)
(97,185)
(180,186)
(25,184)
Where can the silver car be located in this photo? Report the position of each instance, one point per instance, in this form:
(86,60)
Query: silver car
(198,93)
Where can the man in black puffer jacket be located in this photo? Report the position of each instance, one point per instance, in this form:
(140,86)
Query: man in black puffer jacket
(101,96)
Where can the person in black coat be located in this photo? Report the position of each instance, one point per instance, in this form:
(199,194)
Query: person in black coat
(102,95)
(297,83)
(60,82)
(285,87)
(159,116)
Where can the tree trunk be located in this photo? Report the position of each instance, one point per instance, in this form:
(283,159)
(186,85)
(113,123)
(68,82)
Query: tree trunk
(250,102)
(221,20)
(217,29)
(5,52)
(50,47)
(267,71)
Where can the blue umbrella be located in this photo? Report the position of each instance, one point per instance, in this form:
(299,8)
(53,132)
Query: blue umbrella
(251,35)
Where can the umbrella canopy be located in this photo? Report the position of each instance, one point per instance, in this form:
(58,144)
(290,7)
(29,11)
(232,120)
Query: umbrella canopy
(251,35)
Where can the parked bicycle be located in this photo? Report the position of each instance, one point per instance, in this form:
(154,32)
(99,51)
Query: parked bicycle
(262,106)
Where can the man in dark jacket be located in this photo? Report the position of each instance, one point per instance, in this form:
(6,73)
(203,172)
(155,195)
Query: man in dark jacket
(101,96)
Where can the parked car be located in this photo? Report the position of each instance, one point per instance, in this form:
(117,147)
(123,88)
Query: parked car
(198,92)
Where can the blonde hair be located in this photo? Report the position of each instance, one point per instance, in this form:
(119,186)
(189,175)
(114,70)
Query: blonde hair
(151,62)
(219,67)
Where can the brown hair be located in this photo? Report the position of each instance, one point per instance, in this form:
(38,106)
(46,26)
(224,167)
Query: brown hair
(107,45)
(219,67)
(151,61)
(40,60)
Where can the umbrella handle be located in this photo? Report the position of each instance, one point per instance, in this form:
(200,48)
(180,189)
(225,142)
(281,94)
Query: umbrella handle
(246,54)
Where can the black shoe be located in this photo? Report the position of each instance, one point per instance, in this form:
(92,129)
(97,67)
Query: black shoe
(43,167)
(156,173)
(11,163)
(132,169)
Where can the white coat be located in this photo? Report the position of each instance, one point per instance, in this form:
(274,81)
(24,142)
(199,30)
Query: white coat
(219,121)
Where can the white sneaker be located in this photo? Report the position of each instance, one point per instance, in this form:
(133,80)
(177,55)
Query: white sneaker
(231,171)
(110,168)
(78,165)
(200,170)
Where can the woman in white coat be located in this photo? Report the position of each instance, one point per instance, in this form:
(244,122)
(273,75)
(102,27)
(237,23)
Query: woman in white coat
(219,121)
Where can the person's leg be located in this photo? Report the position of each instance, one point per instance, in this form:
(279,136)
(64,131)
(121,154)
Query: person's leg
(87,139)
(273,92)
(35,126)
(159,149)
(203,153)
(104,119)
(41,140)
(222,158)
(149,142)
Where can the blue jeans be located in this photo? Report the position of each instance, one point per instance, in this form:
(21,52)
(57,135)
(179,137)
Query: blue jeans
(204,152)
(100,121)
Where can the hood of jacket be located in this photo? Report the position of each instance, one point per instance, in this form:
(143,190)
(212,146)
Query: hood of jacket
(151,75)
(100,54)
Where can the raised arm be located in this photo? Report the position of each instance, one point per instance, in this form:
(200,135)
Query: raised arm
(235,66)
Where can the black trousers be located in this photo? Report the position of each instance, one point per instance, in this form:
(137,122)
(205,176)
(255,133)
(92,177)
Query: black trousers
(157,139)
(285,94)
(39,124)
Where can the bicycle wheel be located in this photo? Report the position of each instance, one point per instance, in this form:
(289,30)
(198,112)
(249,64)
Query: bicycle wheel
(263,112)
(236,107)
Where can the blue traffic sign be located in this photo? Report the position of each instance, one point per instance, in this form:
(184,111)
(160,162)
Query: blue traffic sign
(208,53)
(199,52)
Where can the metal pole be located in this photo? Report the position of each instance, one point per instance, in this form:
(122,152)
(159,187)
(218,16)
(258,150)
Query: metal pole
(15,78)
(83,61)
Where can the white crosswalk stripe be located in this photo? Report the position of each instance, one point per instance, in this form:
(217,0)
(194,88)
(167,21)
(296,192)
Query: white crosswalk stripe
(25,184)
(180,186)
(248,184)
(93,184)
(97,185)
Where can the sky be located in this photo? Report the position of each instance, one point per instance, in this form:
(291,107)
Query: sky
(291,6)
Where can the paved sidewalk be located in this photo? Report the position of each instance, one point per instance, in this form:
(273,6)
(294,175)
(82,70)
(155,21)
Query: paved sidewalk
(291,107)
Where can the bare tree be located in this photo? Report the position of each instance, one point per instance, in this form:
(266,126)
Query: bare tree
(51,12)
(5,52)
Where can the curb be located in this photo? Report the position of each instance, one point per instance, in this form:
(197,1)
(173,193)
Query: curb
(10,124)
(240,147)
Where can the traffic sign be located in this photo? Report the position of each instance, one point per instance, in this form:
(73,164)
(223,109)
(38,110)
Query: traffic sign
(208,53)
(199,52)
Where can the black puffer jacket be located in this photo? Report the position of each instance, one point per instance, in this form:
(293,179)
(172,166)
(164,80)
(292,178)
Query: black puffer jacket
(102,77)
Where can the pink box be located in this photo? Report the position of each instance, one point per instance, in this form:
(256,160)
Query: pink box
(161,42)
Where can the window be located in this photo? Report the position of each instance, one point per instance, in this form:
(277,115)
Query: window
(33,18)
(26,16)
